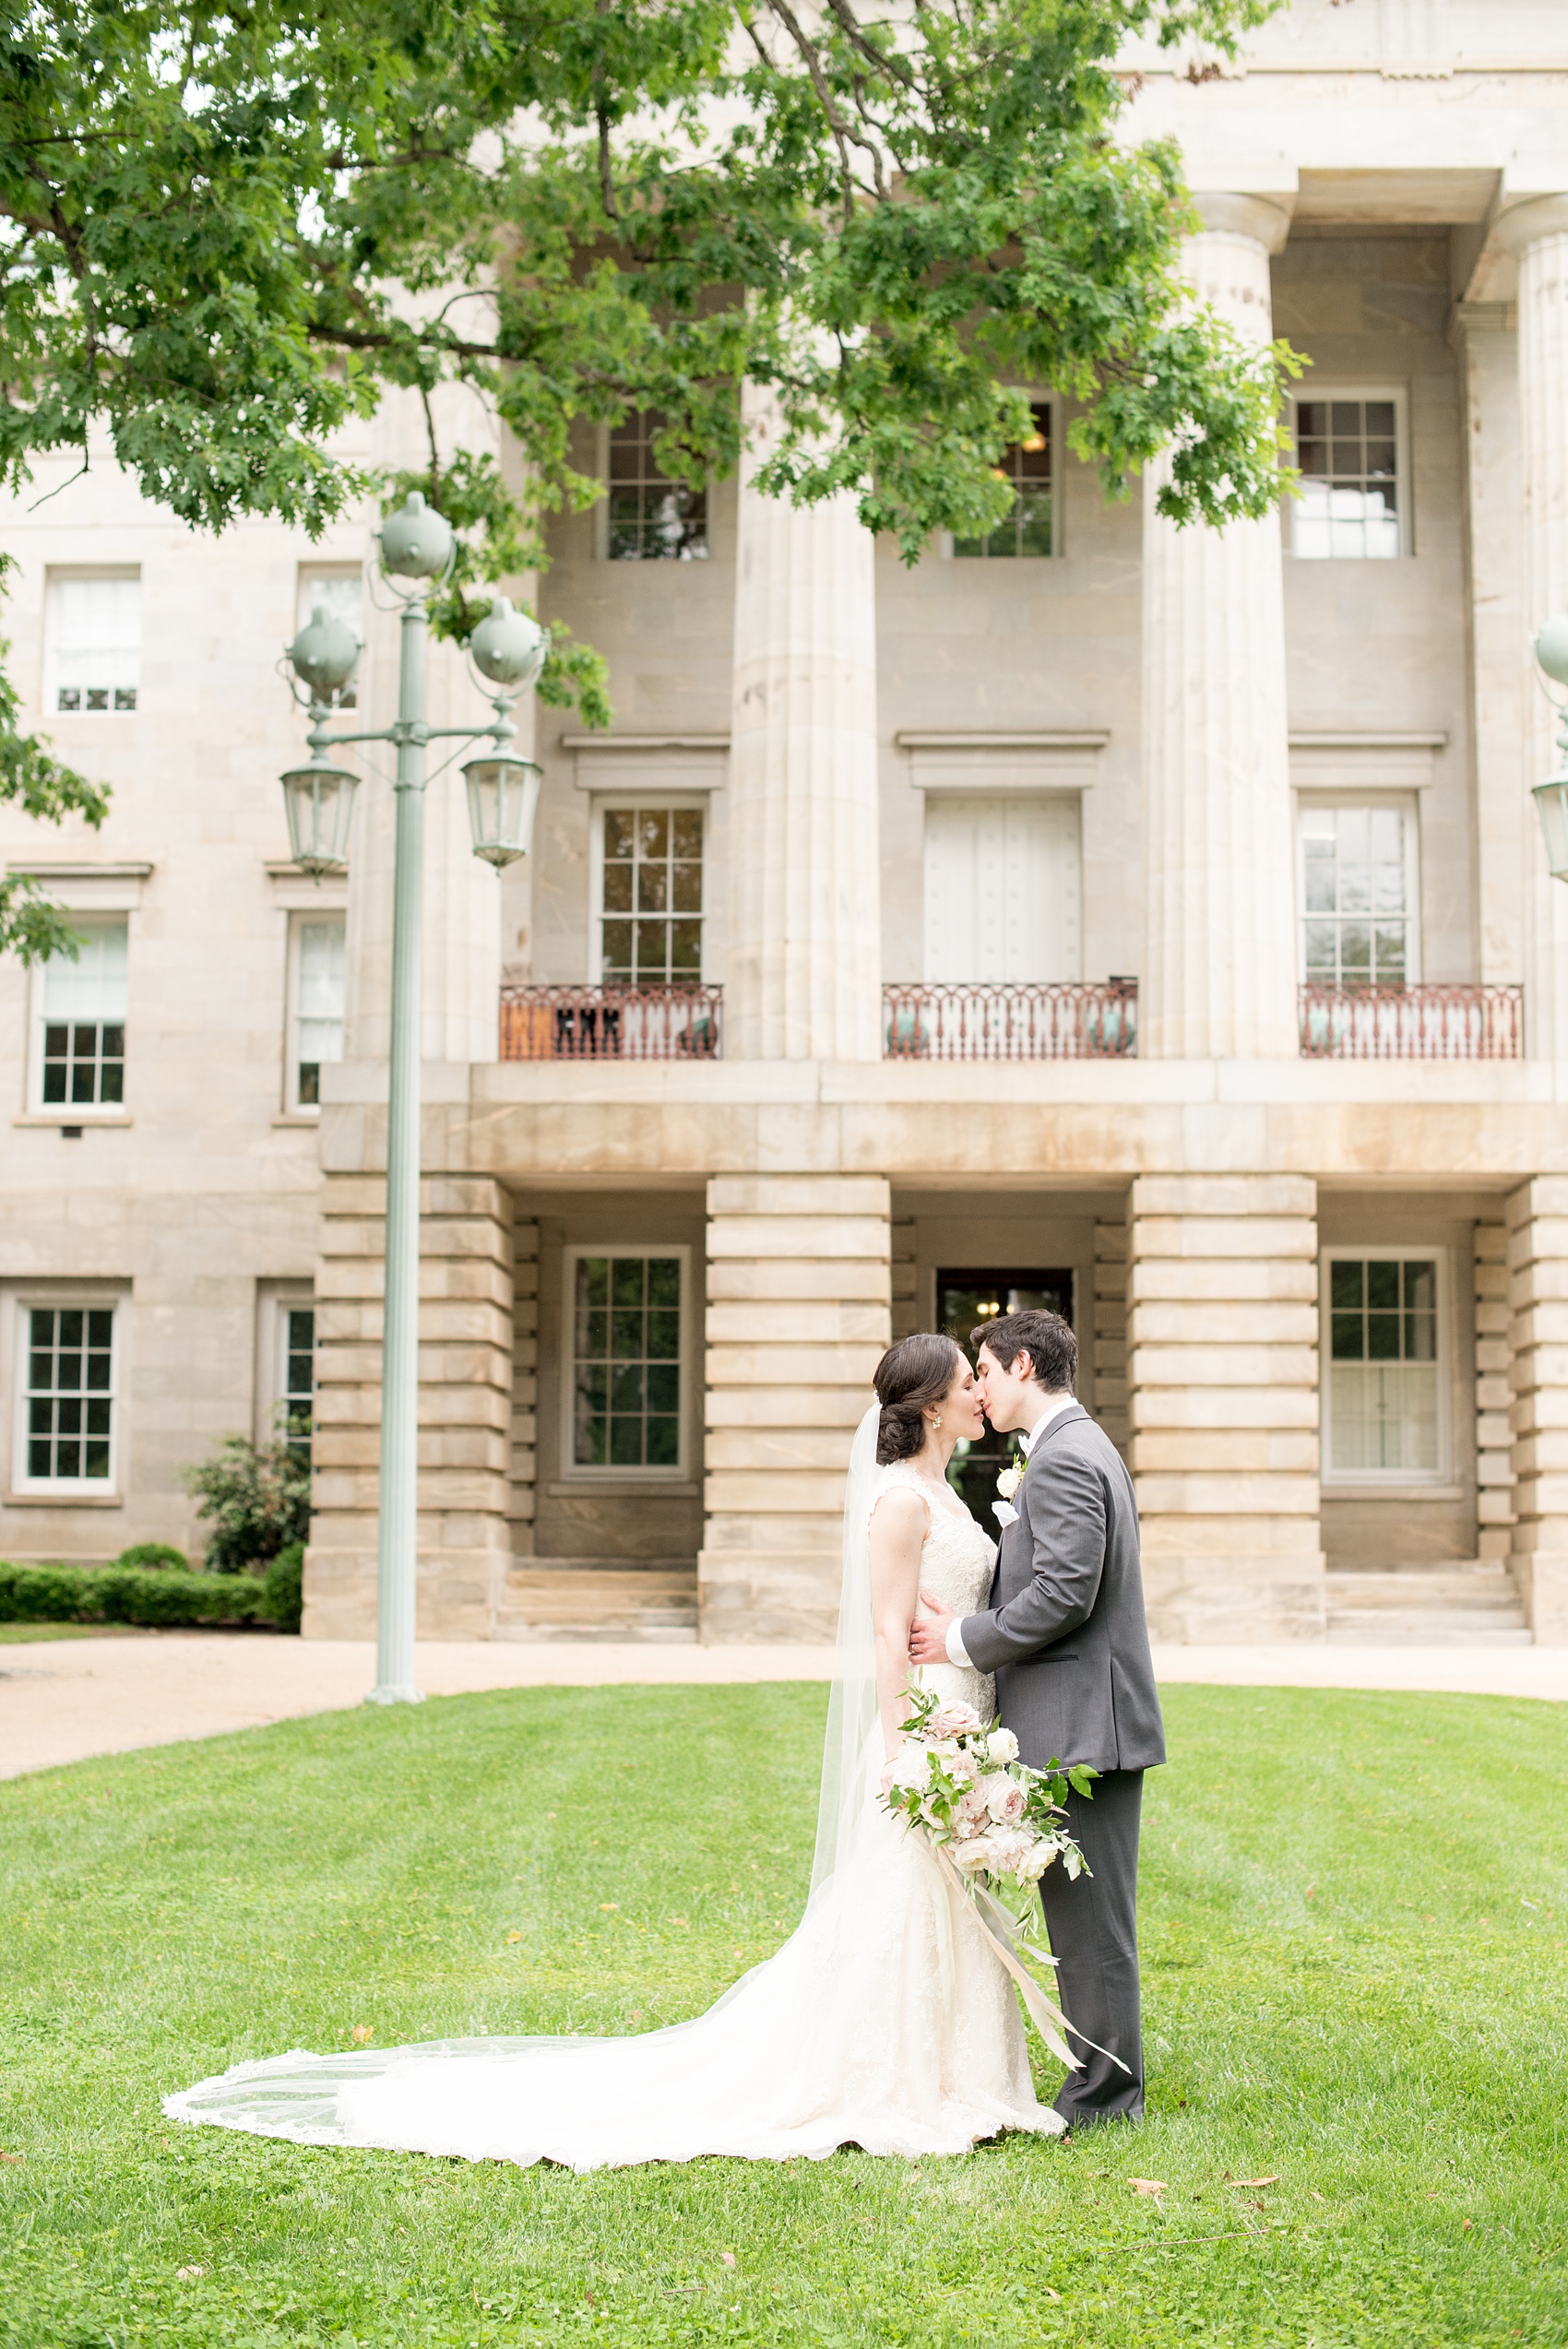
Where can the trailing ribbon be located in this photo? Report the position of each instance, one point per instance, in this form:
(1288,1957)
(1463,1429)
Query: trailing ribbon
(999,1929)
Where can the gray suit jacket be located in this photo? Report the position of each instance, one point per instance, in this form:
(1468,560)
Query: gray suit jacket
(1066,1633)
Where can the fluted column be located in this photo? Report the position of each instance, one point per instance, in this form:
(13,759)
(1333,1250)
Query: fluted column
(1218,979)
(1538,233)
(803,978)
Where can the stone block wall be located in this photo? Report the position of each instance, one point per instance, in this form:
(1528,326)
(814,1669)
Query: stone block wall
(524,1463)
(465,1405)
(1222,1327)
(1494,1432)
(798,1314)
(1537,1337)
(1105,1341)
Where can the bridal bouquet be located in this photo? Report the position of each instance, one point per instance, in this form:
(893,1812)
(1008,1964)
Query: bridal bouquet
(960,1783)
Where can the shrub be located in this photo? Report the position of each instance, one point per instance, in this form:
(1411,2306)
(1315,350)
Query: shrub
(155,1553)
(284,1588)
(127,1594)
(258,1496)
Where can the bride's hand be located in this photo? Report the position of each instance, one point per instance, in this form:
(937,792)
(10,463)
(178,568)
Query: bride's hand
(928,1634)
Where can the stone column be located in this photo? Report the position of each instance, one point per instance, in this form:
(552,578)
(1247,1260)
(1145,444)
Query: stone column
(1222,1326)
(798,1316)
(1220,952)
(1538,1300)
(1538,233)
(465,1405)
(804,968)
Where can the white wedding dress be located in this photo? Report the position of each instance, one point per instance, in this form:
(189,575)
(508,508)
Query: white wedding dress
(886,2020)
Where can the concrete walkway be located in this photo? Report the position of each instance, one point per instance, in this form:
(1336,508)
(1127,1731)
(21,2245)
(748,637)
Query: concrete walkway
(64,1699)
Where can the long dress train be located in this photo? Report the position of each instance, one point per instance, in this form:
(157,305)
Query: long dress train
(885,2021)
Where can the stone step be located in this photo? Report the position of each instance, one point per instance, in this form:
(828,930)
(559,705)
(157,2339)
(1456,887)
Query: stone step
(1483,1586)
(1444,1606)
(587,1599)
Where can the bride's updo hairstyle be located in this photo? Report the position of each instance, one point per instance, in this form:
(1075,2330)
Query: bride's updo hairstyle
(911,1378)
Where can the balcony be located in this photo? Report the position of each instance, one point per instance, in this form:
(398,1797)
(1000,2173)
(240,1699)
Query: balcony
(611,1023)
(1043,1022)
(1412,1023)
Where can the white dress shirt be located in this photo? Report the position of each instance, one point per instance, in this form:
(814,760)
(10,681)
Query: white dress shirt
(957,1652)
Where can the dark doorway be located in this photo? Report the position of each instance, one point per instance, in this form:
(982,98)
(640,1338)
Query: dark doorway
(964,1299)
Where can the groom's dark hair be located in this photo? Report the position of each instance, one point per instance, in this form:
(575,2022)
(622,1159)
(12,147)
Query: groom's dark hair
(1046,1338)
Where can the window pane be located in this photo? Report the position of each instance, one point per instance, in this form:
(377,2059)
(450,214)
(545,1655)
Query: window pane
(1346,454)
(652,517)
(628,1377)
(1354,865)
(1383,1392)
(1025,529)
(96,625)
(93,987)
(660,868)
(69,1398)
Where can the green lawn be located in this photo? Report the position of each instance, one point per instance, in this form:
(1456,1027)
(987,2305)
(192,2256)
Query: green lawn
(1355,1909)
(13,1634)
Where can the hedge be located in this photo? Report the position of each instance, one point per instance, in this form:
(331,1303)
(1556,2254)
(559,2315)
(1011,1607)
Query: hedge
(130,1594)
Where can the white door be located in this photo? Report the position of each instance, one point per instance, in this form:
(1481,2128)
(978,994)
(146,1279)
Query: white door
(1003,893)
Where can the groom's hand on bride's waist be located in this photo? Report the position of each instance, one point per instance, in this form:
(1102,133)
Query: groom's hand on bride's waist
(928,1634)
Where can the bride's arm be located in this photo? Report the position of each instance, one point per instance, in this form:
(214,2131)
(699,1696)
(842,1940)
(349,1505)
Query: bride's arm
(898,1529)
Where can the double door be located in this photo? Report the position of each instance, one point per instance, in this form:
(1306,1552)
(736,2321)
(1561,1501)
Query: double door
(966,1301)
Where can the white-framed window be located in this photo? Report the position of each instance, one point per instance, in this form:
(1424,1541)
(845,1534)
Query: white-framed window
(92,639)
(68,1396)
(626,1402)
(296,1373)
(1386,1343)
(80,1021)
(650,895)
(1351,452)
(339,587)
(649,517)
(317,995)
(1030,528)
(1004,890)
(1359,883)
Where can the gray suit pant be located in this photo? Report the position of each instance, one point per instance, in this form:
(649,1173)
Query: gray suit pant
(1093,1927)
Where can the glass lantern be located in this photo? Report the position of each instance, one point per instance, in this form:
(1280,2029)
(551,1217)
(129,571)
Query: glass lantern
(1551,805)
(503,796)
(320,800)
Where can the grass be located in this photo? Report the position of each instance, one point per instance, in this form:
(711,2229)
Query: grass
(19,1634)
(1355,1909)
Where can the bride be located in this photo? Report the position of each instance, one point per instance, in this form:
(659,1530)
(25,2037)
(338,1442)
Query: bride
(886,2020)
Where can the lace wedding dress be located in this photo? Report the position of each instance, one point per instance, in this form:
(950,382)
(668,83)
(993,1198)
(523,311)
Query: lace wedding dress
(886,2020)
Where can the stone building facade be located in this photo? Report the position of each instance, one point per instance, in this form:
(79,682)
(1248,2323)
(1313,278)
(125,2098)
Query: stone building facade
(1154,922)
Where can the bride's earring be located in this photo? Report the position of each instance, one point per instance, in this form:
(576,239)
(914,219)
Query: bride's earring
(937,1421)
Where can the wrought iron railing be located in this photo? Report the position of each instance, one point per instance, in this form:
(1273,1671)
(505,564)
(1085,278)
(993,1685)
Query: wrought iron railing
(1412,1023)
(1055,1022)
(611,1023)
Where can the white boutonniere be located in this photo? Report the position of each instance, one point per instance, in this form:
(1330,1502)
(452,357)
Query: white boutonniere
(1007,1484)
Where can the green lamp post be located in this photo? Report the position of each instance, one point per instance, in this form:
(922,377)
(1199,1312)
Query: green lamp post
(507,649)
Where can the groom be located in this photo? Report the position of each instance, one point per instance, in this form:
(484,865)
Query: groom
(1066,1639)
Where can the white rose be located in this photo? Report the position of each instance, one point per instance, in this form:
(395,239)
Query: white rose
(975,1857)
(1001,1747)
(1037,1863)
(1007,1483)
(999,1791)
(911,1766)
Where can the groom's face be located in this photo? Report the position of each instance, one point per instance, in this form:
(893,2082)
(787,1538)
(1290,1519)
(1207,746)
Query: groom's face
(1002,1390)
